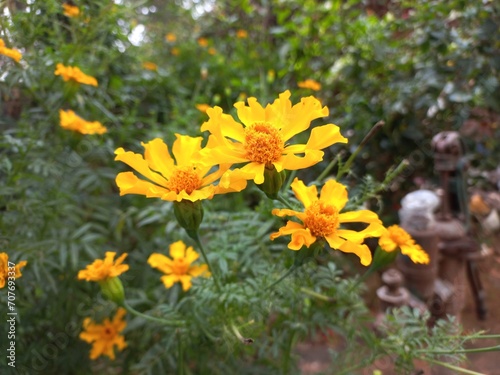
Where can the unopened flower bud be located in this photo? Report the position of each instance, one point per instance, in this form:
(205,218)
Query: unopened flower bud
(189,215)
(112,288)
(273,180)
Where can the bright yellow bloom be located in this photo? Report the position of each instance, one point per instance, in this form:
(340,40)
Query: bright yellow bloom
(178,268)
(149,65)
(75,74)
(71,121)
(203,42)
(310,84)
(101,270)
(322,219)
(175,51)
(174,180)
(264,138)
(241,34)
(9,52)
(396,237)
(202,107)
(105,336)
(5,269)
(71,10)
(170,37)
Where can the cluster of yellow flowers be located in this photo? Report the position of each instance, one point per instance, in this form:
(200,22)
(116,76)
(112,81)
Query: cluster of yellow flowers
(10,52)
(5,269)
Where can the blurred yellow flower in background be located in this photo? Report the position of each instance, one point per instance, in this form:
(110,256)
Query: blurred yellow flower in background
(241,34)
(175,51)
(178,268)
(310,84)
(212,51)
(396,237)
(150,65)
(10,52)
(322,218)
(263,139)
(105,336)
(74,73)
(100,270)
(172,179)
(71,121)
(203,42)
(71,10)
(202,107)
(170,37)
(5,269)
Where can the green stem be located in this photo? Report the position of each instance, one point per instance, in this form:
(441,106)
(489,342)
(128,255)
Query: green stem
(317,295)
(287,273)
(180,362)
(283,200)
(288,354)
(497,336)
(329,167)
(452,367)
(463,351)
(353,156)
(196,238)
(170,323)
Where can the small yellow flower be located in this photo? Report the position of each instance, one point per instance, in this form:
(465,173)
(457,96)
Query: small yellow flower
(202,107)
(241,34)
(101,270)
(10,52)
(212,51)
(203,42)
(71,10)
(105,336)
(322,219)
(262,141)
(175,51)
(5,269)
(174,180)
(179,267)
(75,74)
(396,237)
(310,84)
(170,37)
(71,121)
(150,65)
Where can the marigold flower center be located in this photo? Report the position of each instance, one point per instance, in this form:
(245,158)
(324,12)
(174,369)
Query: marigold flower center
(322,219)
(184,178)
(180,266)
(263,143)
(399,235)
(109,333)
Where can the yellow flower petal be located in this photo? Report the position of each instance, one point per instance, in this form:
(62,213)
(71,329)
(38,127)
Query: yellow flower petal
(336,193)
(305,194)
(184,148)
(158,157)
(161,262)
(324,136)
(301,116)
(137,162)
(254,112)
(362,251)
(129,183)
(177,250)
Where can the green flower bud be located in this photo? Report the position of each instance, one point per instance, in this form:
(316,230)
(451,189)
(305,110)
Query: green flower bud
(189,215)
(112,288)
(273,180)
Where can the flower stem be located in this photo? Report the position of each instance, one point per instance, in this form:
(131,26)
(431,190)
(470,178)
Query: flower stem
(194,235)
(170,323)
(287,273)
(452,367)
(283,200)
(329,167)
(365,140)
(463,351)
(317,295)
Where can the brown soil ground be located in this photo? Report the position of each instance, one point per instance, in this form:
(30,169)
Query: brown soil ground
(315,358)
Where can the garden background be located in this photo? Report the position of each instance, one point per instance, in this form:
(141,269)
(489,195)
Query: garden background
(421,67)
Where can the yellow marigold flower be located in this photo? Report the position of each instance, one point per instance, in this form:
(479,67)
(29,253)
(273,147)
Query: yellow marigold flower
(101,270)
(71,121)
(322,219)
(396,237)
(105,336)
(179,267)
(175,51)
(10,52)
(149,65)
(212,51)
(170,37)
(6,272)
(203,42)
(202,107)
(174,180)
(75,74)
(71,10)
(241,34)
(263,139)
(310,84)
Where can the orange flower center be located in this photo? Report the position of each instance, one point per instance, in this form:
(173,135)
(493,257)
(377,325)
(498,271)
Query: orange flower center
(399,235)
(184,178)
(322,219)
(180,266)
(263,143)
(108,333)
